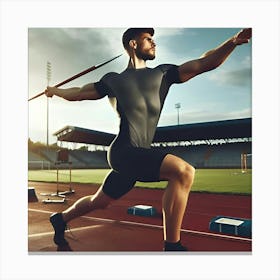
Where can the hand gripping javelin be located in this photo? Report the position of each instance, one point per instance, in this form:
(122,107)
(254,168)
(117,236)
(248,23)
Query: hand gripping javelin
(78,75)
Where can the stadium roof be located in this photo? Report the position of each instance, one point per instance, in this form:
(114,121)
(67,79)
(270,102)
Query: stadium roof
(82,135)
(228,129)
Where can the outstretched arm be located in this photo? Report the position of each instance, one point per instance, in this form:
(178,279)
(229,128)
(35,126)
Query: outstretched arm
(213,58)
(87,92)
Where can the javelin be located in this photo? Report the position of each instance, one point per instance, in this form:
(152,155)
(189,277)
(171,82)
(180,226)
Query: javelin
(78,75)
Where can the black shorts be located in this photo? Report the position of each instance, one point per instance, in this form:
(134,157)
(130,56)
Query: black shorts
(130,164)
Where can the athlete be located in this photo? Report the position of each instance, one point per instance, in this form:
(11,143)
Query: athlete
(138,95)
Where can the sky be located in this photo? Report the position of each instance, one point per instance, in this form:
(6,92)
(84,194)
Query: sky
(222,94)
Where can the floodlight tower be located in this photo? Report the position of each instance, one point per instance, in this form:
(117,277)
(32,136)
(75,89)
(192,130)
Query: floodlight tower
(178,106)
(48,83)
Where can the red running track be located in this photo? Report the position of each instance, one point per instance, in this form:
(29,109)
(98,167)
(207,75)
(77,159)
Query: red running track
(113,230)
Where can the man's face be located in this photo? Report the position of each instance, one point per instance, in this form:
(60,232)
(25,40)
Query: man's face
(146,47)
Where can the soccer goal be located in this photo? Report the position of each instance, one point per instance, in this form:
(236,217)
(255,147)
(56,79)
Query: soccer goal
(39,164)
(246,162)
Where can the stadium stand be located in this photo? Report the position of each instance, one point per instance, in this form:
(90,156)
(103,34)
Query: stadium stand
(34,156)
(80,159)
(96,159)
(37,161)
(214,156)
(216,144)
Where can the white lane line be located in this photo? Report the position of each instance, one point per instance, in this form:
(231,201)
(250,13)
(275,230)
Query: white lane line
(40,211)
(216,235)
(161,227)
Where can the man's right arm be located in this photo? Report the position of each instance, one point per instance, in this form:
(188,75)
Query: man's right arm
(87,92)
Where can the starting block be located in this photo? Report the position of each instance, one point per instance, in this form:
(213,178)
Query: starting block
(231,225)
(32,194)
(142,210)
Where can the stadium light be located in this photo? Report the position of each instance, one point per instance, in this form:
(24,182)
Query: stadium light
(49,68)
(178,106)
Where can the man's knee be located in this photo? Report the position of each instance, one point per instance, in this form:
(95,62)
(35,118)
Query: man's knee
(177,170)
(185,174)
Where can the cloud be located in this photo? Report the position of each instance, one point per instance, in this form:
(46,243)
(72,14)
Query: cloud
(239,78)
(247,62)
(67,46)
(70,51)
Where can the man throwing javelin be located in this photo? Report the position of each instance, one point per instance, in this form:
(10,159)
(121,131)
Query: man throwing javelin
(138,95)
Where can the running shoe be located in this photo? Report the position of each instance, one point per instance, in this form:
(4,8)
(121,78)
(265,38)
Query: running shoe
(174,247)
(59,228)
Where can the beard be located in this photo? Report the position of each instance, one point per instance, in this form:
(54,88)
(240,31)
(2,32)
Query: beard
(144,55)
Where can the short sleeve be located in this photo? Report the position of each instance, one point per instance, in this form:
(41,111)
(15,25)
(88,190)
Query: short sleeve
(101,88)
(172,75)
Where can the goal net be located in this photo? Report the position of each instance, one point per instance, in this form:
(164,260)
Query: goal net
(246,162)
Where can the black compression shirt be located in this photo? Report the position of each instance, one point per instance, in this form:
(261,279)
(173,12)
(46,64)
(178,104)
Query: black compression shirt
(138,96)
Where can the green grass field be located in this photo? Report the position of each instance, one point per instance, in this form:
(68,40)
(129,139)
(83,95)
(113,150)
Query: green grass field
(206,180)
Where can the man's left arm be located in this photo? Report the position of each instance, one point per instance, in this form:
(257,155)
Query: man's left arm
(213,58)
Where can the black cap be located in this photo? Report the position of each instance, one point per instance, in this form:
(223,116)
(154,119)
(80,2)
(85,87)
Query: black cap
(132,33)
